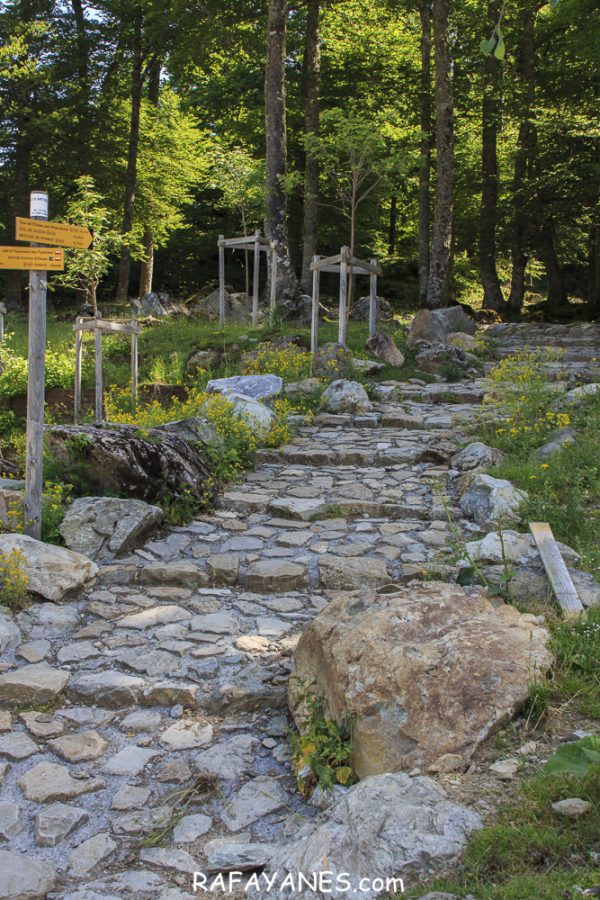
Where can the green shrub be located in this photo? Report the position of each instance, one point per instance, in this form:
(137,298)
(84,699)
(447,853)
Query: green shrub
(13,579)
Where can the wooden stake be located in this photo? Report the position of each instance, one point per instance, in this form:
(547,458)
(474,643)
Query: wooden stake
(256,274)
(78,354)
(373,301)
(2,312)
(556,569)
(221,279)
(99,386)
(343,296)
(134,360)
(34,467)
(314,322)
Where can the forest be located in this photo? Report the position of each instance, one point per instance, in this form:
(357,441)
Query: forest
(456,142)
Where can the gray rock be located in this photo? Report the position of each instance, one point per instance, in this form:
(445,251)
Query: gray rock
(301,508)
(505,769)
(257,387)
(10,819)
(476,455)
(110,689)
(558,440)
(257,798)
(256,414)
(141,720)
(583,392)
(332,359)
(130,797)
(572,807)
(191,827)
(385,826)
(155,615)
(52,571)
(42,725)
(203,359)
(435,358)
(512,546)
(172,860)
(32,684)
(227,855)
(48,782)
(346,397)
(35,651)
(17,745)
(489,501)
(103,528)
(10,634)
(24,877)
(351,573)
(186,734)
(153,662)
(150,305)
(90,853)
(274,576)
(433,325)
(79,746)
(229,759)
(129,761)
(77,652)
(382,345)
(196,429)
(54,823)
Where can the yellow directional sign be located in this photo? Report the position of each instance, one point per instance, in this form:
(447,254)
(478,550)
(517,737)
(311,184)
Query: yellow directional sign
(57,234)
(40,258)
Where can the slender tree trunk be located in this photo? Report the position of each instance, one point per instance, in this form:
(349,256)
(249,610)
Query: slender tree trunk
(492,75)
(312,67)
(523,161)
(438,290)
(276,144)
(132,155)
(83,110)
(393,229)
(546,244)
(594,271)
(147,264)
(425,161)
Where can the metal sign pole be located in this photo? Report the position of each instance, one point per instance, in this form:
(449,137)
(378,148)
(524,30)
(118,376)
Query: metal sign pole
(34,473)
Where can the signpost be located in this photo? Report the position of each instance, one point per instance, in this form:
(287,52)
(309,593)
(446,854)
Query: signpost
(32,258)
(34,474)
(58,234)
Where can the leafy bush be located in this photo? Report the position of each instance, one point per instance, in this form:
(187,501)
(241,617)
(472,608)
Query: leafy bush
(290,363)
(55,500)
(322,750)
(60,370)
(13,579)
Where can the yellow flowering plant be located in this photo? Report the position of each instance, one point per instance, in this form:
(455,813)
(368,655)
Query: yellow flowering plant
(13,579)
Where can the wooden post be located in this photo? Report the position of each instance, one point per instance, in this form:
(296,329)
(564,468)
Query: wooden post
(34,467)
(134,359)
(343,296)
(373,301)
(556,569)
(99,386)
(78,354)
(273,300)
(2,312)
(314,321)
(221,279)
(256,274)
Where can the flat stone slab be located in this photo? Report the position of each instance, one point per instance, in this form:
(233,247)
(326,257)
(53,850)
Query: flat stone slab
(351,573)
(90,853)
(54,823)
(10,819)
(257,798)
(129,761)
(258,387)
(48,782)
(24,877)
(298,507)
(156,615)
(32,684)
(275,576)
(184,735)
(52,571)
(17,745)
(111,689)
(80,746)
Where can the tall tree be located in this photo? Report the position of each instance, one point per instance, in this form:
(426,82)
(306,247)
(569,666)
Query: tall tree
(312,75)
(147,264)
(492,75)
(438,289)
(276,226)
(425,158)
(137,80)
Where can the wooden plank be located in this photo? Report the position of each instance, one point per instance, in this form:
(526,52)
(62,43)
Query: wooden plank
(343,299)
(371,267)
(221,280)
(78,351)
(314,321)
(38,259)
(99,385)
(556,570)
(56,234)
(256,277)
(134,367)
(273,297)
(243,241)
(106,327)
(326,261)
(335,269)
(373,302)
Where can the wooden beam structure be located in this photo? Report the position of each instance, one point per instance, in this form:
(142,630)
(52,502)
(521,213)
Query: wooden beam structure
(98,327)
(261,245)
(556,569)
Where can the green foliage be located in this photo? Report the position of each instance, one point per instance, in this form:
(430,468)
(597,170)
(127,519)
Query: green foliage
(290,363)
(321,750)
(60,370)
(241,180)
(13,580)
(576,645)
(577,758)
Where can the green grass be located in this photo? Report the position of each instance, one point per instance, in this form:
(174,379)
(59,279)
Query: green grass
(531,852)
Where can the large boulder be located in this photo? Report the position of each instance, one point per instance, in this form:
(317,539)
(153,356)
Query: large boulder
(195,430)
(555,443)
(346,397)
(203,361)
(385,827)
(383,347)
(476,455)
(255,413)
(434,358)
(428,670)
(120,461)
(489,501)
(257,387)
(237,306)
(332,360)
(103,528)
(434,325)
(361,310)
(52,572)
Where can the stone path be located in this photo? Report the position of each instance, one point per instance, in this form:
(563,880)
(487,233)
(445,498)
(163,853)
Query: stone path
(147,720)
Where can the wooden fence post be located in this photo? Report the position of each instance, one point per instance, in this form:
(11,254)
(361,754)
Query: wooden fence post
(2,313)
(99,385)
(256,277)
(314,321)
(273,300)
(78,355)
(134,359)
(221,279)
(343,296)
(373,300)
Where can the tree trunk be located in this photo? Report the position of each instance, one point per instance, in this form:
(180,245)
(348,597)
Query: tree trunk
(523,161)
(312,68)
(594,271)
(492,74)
(147,264)
(438,289)
(132,155)
(276,146)
(393,230)
(82,131)
(425,161)
(546,244)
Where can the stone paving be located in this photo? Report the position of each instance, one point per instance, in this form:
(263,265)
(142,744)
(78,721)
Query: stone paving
(143,731)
